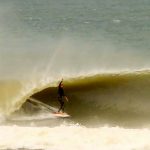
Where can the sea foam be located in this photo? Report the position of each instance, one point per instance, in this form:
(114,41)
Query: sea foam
(74,137)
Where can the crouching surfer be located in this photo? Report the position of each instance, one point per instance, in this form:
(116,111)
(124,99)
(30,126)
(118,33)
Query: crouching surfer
(61,96)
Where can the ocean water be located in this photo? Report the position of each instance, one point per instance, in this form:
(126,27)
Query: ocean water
(100,48)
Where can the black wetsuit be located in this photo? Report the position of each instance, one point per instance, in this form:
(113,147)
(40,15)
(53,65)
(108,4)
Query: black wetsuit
(61,95)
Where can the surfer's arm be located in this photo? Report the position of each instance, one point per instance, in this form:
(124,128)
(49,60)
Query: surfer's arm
(66,98)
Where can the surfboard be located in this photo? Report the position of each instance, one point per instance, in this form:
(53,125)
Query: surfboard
(62,115)
(51,109)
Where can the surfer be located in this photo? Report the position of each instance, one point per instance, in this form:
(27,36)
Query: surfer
(61,96)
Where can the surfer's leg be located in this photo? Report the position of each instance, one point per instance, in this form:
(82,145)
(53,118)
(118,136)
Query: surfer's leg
(59,99)
(61,105)
(60,108)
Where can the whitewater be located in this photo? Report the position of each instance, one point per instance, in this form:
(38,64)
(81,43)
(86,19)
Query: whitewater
(74,137)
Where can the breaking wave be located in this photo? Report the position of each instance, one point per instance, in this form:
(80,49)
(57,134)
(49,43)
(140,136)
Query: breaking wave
(119,98)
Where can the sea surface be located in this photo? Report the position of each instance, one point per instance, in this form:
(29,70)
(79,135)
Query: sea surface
(100,48)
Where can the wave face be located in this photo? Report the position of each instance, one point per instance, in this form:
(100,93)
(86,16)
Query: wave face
(113,98)
(116,98)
